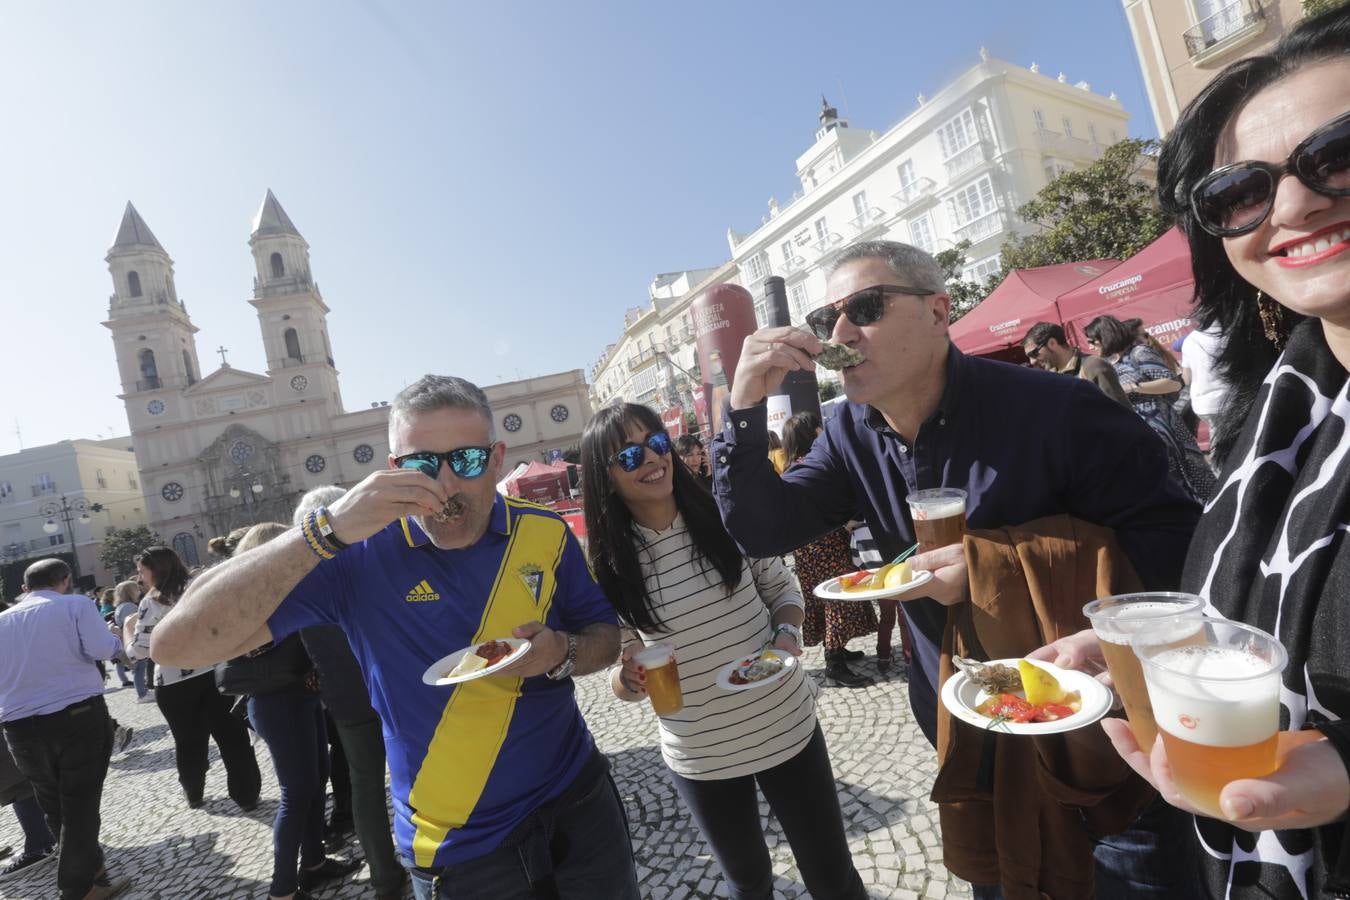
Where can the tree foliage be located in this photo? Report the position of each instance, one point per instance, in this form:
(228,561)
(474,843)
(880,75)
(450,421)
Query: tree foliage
(966,295)
(121,546)
(1107,210)
(1317,7)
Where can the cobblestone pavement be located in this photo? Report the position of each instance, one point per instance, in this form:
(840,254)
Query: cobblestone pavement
(882,765)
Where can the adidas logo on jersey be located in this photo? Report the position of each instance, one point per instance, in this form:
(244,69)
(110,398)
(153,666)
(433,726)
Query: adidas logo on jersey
(421,593)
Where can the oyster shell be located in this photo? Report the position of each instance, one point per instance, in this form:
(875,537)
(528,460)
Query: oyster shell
(995,679)
(837,356)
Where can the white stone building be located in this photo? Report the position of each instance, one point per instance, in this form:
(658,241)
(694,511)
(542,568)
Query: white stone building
(234,447)
(66,497)
(955,169)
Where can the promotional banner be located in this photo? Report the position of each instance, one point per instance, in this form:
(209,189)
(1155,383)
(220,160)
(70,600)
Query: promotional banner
(723,318)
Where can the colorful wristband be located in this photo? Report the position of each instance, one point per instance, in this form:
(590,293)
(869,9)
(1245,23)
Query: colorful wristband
(311,532)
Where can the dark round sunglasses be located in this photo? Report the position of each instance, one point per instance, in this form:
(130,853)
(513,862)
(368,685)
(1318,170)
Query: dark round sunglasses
(465,462)
(1236,199)
(862,308)
(629,456)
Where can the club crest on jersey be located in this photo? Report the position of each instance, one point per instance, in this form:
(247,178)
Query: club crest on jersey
(422,592)
(533,577)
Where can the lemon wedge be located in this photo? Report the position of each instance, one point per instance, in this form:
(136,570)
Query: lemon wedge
(898,575)
(1039,685)
(769,654)
(469,662)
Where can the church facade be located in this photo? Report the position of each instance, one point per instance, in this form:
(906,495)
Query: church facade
(232,448)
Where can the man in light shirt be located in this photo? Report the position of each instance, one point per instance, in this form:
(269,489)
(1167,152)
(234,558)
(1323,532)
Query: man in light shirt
(54,718)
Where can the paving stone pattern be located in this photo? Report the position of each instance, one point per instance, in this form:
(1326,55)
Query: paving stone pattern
(883,767)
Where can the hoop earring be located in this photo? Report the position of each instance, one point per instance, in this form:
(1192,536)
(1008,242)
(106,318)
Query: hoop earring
(1272,319)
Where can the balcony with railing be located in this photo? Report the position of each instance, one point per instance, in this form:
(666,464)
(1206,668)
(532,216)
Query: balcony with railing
(150,383)
(976,230)
(639,360)
(1230,27)
(969,159)
(867,220)
(921,190)
(1065,145)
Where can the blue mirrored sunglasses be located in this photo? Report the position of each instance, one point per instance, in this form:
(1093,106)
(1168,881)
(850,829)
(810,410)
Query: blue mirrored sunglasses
(465,462)
(629,456)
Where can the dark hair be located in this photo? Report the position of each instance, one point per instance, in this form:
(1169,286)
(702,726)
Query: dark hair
(687,443)
(45,573)
(1223,298)
(1042,332)
(799,433)
(611,542)
(1111,335)
(171,576)
(775,442)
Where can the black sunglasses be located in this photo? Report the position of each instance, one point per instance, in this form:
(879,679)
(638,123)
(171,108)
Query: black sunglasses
(629,456)
(862,308)
(465,462)
(1035,351)
(1236,199)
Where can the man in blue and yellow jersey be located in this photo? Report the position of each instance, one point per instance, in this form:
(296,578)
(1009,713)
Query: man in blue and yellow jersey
(498,787)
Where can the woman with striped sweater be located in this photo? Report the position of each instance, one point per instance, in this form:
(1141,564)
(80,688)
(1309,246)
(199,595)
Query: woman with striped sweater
(659,550)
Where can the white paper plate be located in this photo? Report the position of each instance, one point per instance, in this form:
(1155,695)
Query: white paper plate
(961,695)
(830,590)
(437,674)
(724,674)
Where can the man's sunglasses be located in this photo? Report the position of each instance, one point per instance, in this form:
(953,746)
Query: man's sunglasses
(862,308)
(1236,199)
(630,456)
(1034,353)
(465,462)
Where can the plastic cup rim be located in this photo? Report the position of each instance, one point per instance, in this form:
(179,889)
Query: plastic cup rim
(1277,665)
(1145,597)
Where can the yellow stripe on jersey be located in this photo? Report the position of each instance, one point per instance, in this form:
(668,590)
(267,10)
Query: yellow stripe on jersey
(475,722)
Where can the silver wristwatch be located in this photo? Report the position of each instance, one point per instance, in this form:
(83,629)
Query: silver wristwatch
(564,668)
(790,630)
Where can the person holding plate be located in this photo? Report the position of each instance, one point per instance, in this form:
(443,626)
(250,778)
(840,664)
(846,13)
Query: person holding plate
(497,784)
(676,578)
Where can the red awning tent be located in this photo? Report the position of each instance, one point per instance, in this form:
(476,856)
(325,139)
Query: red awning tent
(996,326)
(1155,285)
(540,483)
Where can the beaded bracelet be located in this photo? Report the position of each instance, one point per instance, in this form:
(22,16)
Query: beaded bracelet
(310,530)
(325,529)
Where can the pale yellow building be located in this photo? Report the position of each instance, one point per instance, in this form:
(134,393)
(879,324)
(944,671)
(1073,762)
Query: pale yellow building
(1183,44)
(66,498)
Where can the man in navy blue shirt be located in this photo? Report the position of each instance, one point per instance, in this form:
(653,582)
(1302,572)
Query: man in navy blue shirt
(1023,444)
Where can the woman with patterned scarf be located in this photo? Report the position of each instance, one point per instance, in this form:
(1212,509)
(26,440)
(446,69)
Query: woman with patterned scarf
(1257,172)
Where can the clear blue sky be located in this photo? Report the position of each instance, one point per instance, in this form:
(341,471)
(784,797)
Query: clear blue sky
(485,187)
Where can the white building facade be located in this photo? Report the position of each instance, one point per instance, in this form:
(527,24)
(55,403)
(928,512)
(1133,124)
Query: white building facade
(66,498)
(955,169)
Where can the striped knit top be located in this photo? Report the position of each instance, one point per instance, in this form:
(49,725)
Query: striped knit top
(722,734)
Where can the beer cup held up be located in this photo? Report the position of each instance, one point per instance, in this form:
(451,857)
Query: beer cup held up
(939,516)
(1216,701)
(663,678)
(1115,619)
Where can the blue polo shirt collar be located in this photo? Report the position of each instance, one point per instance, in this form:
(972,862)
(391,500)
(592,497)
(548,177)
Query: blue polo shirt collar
(499,522)
(951,394)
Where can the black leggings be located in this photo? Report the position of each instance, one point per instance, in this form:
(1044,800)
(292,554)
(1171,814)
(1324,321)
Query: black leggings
(196,712)
(802,795)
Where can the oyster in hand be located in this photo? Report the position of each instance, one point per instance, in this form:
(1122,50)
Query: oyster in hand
(837,356)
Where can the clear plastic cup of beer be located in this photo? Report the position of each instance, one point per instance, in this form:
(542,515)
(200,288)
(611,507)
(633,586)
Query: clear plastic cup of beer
(663,678)
(939,516)
(1115,619)
(1216,700)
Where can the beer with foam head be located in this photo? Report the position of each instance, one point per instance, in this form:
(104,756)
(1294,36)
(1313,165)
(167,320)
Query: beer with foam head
(663,678)
(1115,619)
(1216,702)
(939,517)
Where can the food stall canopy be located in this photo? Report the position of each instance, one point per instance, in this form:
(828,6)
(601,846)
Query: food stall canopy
(1155,285)
(540,483)
(1027,296)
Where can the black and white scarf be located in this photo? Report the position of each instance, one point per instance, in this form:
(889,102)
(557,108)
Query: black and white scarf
(1271,551)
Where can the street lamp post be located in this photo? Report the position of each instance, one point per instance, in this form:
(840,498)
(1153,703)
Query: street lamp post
(69,510)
